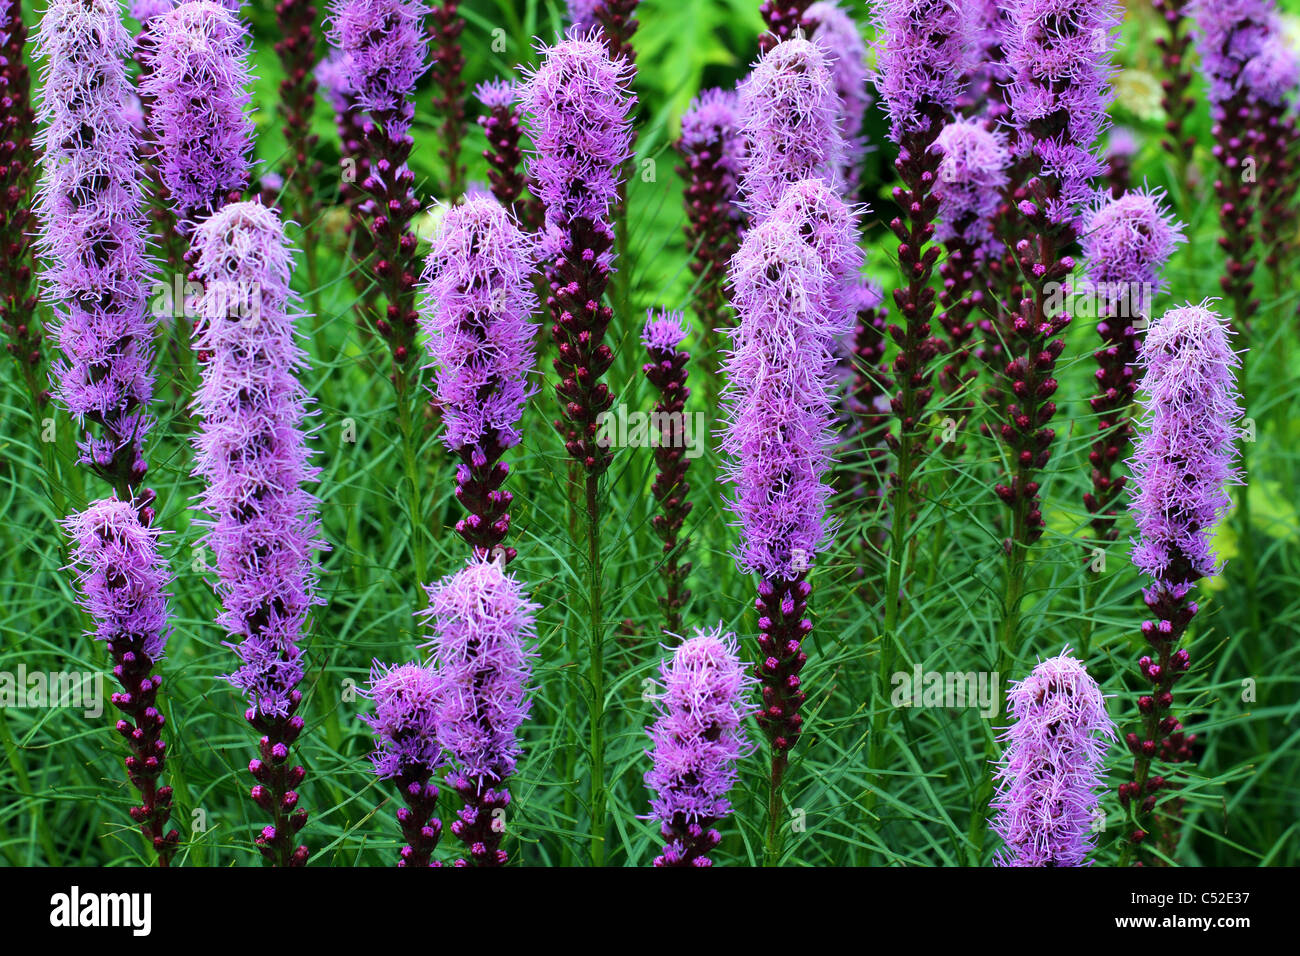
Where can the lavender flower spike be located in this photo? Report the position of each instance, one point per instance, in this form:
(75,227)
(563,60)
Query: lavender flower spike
(790,116)
(920,58)
(407,751)
(698,738)
(198,81)
(254,460)
(478,316)
(123,582)
(971,177)
(92,245)
(483,626)
(1049,778)
(830,26)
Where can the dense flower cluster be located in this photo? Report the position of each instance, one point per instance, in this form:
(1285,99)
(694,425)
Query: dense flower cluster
(972,174)
(920,58)
(697,740)
(838,34)
(1049,778)
(504,155)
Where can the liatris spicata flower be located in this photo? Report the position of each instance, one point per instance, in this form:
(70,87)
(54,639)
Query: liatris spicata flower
(836,32)
(18,318)
(1183,460)
(984,90)
(197,82)
(479,321)
(446,66)
(972,175)
(697,739)
(92,243)
(254,460)
(407,751)
(784,19)
(662,336)
(1175,46)
(577,107)
(1049,777)
(483,625)
(1126,242)
(713,153)
(123,582)
(296,48)
(789,115)
(777,443)
(1272,76)
(503,154)
(384,48)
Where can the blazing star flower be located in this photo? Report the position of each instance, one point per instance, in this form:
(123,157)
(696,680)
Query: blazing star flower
(483,624)
(198,82)
(254,461)
(503,131)
(1049,778)
(123,582)
(921,58)
(790,118)
(1229,35)
(92,245)
(829,227)
(1273,73)
(481,334)
(1185,451)
(385,51)
(697,739)
(971,176)
(836,31)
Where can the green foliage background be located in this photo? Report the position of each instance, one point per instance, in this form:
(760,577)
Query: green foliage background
(63,795)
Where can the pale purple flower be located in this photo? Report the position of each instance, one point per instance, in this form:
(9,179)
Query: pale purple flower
(1127,242)
(1185,453)
(663,331)
(1273,73)
(790,116)
(1229,35)
(698,738)
(198,82)
(405,720)
(921,63)
(829,226)
(385,50)
(838,34)
(1049,778)
(145,10)
(969,186)
(92,247)
(712,125)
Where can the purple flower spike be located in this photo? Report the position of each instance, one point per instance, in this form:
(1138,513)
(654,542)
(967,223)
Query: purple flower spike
(969,187)
(697,740)
(92,245)
(483,626)
(254,460)
(478,316)
(385,50)
(1184,458)
(1127,242)
(1049,778)
(123,582)
(920,63)
(1229,35)
(198,82)
(790,116)
(577,104)
(503,131)
(838,34)
(407,751)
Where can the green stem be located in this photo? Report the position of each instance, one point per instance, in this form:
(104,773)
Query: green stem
(415,507)
(775,810)
(596,659)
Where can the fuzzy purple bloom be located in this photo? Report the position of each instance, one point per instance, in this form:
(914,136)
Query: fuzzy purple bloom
(483,626)
(405,720)
(582,13)
(1058,55)
(336,82)
(1127,242)
(385,50)
(829,227)
(790,114)
(92,246)
(970,182)
(145,10)
(697,739)
(663,330)
(198,82)
(1229,35)
(838,34)
(1185,452)
(1273,73)
(712,123)
(921,58)
(1049,777)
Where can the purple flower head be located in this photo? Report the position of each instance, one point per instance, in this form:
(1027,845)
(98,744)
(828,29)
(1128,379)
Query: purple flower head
(493,93)
(1122,142)
(123,578)
(790,117)
(198,80)
(478,316)
(385,49)
(1185,451)
(1229,35)
(332,75)
(1272,74)
(697,739)
(92,246)
(838,34)
(663,331)
(1058,55)
(971,177)
(1049,777)
(252,452)
(405,721)
(1127,242)
(828,225)
(145,10)
(483,624)
(582,13)
(921,59)
(713,122)
(780,376)
(577,104)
